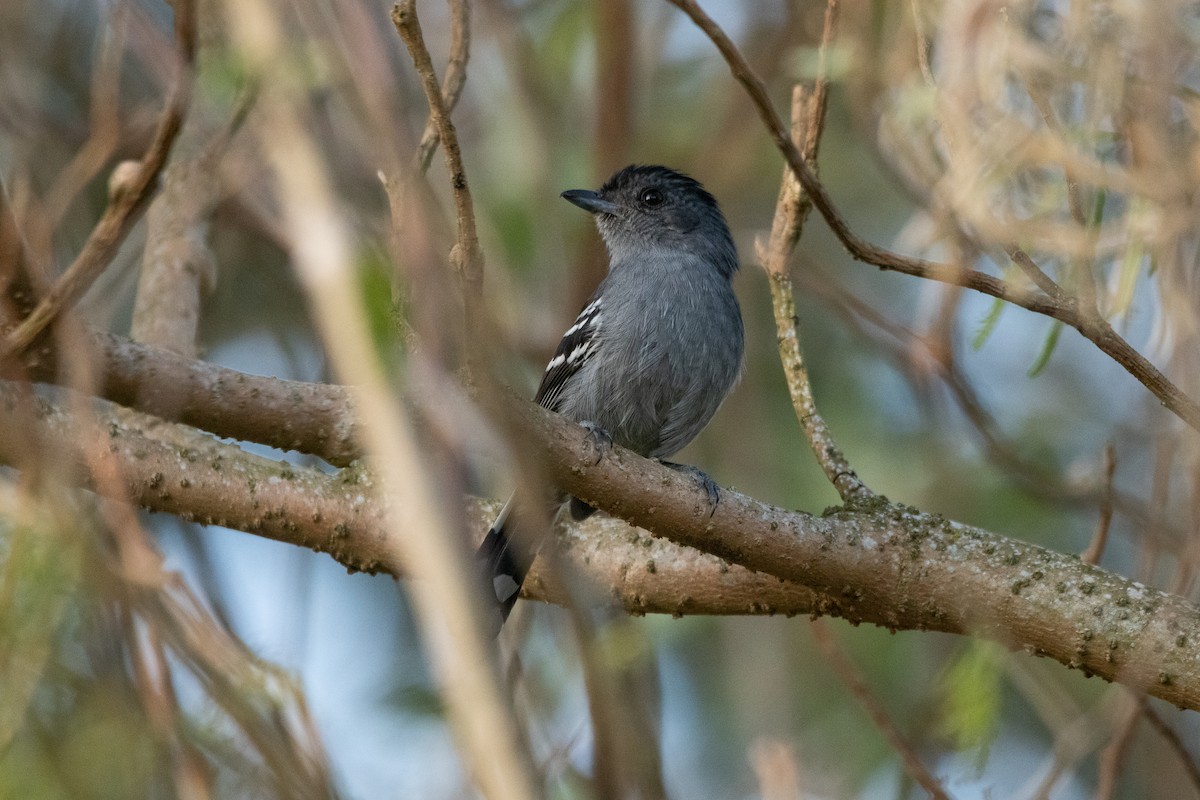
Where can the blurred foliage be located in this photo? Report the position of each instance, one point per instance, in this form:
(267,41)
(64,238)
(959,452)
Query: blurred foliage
(38,583)
(1043,357)
(89,637)
(950,130)
(385,315)
(972,688)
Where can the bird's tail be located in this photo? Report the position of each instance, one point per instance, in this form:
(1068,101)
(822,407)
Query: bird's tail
(504,560)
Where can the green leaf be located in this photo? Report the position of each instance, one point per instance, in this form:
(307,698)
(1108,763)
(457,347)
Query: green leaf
(988,325)
(1130,270)
(971,690)
(1098,211)
(1047,350)
(420,700)
(382,310)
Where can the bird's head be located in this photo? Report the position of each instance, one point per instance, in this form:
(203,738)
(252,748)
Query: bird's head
(643,209)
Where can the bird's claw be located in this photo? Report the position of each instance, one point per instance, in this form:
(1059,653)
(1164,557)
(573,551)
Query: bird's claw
(600,439)
(706,483)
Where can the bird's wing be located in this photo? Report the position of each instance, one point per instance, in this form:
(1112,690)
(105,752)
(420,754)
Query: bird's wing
(577,344)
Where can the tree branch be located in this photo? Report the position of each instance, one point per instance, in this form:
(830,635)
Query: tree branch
(445,600)
(844,668)
(791,209)
(895,566)
(888,564)
(129,191)
(178,470)
(466,255)
(316,418)
(178,265)
(1066,310)
(454,80)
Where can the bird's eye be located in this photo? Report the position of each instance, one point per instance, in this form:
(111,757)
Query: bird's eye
(651,198)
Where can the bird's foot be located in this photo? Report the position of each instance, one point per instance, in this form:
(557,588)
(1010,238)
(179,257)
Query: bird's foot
(600,439)
(706,483)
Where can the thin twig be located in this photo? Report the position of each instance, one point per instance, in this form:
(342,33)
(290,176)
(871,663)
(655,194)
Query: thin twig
(922,45)
(818,102)
(128,196)
(466,256)
(1175,743)
(1098,331)
(104,117)
(1081,265)
(858,248)
(263,702)
(829,455)
(849,675)
(1112,758)
(1036,274)
(454,79)
(808,118)
(451,615)
(897,342)
(774,258)
(1095,548)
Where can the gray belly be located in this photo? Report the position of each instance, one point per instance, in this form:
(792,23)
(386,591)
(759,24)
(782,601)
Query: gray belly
(657,390)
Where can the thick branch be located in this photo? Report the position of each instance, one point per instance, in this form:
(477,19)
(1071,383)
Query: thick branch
(897,567)
(178,265)
(182,471)
(887,564)
(316,418)
(185,472)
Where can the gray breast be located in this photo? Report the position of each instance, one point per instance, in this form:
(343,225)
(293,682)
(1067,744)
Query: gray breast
(672,350)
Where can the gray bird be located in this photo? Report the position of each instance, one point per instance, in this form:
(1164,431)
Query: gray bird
(656,348)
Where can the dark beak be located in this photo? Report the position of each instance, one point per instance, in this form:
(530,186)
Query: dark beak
(590,201)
